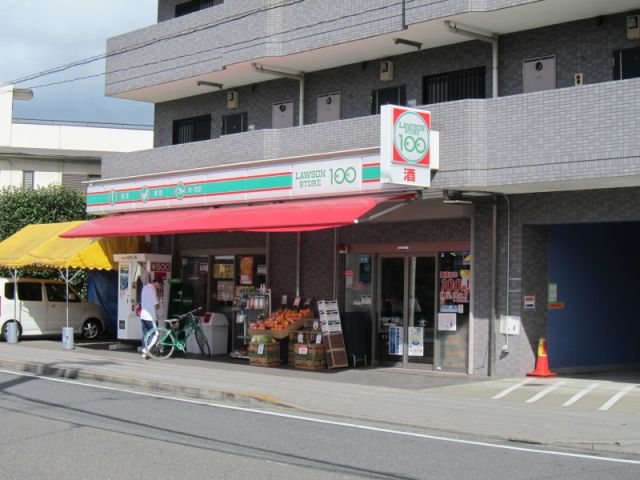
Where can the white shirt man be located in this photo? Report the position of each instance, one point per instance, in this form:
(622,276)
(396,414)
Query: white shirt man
(149,303)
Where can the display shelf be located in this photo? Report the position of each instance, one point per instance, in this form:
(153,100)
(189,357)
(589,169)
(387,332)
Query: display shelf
(250,306)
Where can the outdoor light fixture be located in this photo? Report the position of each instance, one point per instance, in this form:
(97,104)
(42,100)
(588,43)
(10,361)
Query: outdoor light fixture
(202,83)
(410,43)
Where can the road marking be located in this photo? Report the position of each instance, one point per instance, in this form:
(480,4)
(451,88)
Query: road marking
(546,391)
(613,400)
(335,423)
(506,392)
(581,394)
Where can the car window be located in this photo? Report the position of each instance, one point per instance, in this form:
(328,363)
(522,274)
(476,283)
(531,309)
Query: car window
(30,292)
(8,291)
(57,292)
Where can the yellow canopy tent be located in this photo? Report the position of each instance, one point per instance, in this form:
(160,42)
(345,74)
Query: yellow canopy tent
(40,246)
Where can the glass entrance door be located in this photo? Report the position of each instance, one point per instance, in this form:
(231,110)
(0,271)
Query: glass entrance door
(406,310)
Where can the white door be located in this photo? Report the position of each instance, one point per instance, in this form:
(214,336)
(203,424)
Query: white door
(32,313)
(56,306)
(539,74)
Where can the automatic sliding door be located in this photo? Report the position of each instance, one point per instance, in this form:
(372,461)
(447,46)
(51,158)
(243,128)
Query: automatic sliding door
(421,310)
(406,310)
(391,310)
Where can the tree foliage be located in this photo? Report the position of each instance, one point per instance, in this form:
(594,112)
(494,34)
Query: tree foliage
(20,207)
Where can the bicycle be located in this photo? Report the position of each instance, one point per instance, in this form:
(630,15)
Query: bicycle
(161,342)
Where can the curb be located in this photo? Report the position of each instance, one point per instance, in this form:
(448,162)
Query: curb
(136,382)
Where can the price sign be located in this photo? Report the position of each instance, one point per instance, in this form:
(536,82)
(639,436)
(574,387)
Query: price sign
(261,349)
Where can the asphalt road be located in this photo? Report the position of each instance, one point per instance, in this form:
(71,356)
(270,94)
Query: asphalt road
(63,430)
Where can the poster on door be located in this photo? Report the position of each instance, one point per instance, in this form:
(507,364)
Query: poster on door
(246,270)
(416,342)
(395,340)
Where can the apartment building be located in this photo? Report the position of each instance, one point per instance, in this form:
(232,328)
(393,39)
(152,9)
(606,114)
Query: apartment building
(528,227)
(37,153)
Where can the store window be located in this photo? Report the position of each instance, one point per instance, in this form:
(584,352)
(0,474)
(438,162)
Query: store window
(189,290)
(357,322)
(234,279)
(454,279)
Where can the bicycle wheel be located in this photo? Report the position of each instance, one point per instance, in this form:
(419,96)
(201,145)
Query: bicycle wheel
(202,342)
(159,343)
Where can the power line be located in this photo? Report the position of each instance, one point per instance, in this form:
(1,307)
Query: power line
(222,47)
(131,48)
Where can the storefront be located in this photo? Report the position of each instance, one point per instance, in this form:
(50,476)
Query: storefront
(354,226)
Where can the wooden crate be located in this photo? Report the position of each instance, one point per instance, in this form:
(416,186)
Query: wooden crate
(310,356)
(337,358)
(270,356)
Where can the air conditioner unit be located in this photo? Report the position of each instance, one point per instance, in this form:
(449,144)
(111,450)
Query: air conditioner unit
(386,70)
(633,27)
(232,99)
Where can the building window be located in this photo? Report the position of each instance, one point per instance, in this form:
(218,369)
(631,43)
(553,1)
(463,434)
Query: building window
(27,178)
(192,129)
(388,96)
(235,123)
(458,85)
(195,5)
(626,63)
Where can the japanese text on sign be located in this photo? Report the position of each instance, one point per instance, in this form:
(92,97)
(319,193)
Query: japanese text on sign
(453,288)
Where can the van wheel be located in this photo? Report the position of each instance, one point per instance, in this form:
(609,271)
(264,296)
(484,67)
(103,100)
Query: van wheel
(91,328)
(4,330)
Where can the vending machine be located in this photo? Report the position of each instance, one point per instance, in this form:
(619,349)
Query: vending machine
(135,270)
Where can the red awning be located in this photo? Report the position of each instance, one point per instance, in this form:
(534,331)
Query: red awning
(289,216)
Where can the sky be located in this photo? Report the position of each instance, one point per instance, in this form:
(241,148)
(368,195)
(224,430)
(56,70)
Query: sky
(37,35)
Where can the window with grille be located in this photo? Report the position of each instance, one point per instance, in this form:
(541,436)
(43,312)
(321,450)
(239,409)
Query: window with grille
(192,129)
(27,178)
(458,85)
(195,5)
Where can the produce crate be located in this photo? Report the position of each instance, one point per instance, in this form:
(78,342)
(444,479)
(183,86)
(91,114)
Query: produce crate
(308,337)
(279,334)
(270,356)
(310,356)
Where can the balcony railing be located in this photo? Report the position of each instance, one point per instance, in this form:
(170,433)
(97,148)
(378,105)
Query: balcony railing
(569,134)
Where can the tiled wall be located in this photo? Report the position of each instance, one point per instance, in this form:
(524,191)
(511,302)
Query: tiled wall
(530,214)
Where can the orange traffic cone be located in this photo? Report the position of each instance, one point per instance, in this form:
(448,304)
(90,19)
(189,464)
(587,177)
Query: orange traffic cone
(542,362)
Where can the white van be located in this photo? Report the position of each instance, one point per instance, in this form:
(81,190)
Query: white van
(42,309)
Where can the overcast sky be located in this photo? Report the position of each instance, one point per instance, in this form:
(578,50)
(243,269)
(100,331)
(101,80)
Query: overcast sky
(36,35)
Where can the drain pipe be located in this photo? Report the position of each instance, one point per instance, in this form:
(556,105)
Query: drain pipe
(494,282)
(294,76)
(491,38)
(508,291)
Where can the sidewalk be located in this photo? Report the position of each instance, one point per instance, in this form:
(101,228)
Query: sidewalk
(427,401)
